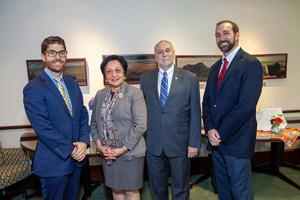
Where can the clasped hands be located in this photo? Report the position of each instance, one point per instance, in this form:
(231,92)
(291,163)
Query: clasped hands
(111,154)
(79,151)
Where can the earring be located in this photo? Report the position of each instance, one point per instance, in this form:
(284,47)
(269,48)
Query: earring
(124,78)
(105,81)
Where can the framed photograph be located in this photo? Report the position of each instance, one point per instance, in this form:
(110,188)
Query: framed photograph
(274,65)
(137,65)
(197,64)
(74,68)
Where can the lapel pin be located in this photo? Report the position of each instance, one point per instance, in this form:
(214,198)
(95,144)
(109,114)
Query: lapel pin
(120,95)
(176,77)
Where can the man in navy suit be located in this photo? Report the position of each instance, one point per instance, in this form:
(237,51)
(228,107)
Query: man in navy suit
(229,105)
(174,123)
(61,124)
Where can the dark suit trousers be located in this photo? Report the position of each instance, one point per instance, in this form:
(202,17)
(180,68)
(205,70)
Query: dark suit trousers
(233,176)
(61,187)
(158,170)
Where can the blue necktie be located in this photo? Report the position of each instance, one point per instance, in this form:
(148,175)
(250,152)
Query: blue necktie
(164,89)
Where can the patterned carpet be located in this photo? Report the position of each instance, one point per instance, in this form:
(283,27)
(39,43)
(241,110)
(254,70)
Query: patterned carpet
(265,187)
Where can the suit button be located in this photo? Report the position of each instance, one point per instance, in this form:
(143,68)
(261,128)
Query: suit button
(112,120)
(118,140)
(116,130)
(215,106)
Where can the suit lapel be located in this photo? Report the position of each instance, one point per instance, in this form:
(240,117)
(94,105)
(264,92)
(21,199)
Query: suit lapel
(54,90)
(121,98)
(233,65)
(154,85)
(176,79)
(73,99)
(216,75)
(101,99)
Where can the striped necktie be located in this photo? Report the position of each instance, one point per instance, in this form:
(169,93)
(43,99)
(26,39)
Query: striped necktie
(63,94)
(224,68)
(164,89)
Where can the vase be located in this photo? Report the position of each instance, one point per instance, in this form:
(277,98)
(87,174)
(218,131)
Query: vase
(275,129)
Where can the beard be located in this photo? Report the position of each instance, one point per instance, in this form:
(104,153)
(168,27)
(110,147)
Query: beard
(227,48)
(168,64)
(55,65)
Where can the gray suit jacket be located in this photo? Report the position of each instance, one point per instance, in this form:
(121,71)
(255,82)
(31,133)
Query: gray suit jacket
(128,117)
(177,125)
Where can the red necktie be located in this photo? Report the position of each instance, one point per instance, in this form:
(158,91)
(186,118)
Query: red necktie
(222,71)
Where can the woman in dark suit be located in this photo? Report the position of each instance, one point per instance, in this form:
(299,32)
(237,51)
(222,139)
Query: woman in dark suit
(117,126)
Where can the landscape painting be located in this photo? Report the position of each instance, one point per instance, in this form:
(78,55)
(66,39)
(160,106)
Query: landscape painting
(274,65)
(197,64)
(137,65)
(74,68)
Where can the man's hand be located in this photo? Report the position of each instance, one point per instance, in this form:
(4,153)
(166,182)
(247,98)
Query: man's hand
(214,137)
(192,152)
(80,153)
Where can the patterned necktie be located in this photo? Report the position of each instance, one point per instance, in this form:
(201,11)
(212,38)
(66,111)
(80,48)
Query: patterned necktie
(164,89)
(63,94)
(222,71)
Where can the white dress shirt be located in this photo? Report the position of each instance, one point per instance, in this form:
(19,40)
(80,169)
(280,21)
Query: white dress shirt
(170,73)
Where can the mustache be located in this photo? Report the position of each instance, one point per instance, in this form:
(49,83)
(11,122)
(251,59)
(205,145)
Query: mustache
(225,41)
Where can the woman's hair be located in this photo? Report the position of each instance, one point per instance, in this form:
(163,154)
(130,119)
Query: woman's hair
(121,59)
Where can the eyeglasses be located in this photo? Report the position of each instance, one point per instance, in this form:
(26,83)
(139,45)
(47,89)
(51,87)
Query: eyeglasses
(52,53)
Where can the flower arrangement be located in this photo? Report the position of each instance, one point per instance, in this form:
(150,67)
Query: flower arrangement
(275,122)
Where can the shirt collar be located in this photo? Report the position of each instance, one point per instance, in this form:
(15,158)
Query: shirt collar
(52,76)
(231,55)
(169,71)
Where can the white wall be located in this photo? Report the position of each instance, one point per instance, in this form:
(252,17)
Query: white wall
(92,28)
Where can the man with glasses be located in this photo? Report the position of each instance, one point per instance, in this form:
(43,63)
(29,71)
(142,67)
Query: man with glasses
(54,107)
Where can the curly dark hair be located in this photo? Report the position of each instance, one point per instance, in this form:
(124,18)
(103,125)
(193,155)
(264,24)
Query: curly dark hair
(52,40)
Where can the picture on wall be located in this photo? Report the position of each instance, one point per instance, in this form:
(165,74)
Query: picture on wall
(74,68)
(137,65)
(274,65)
(197,64)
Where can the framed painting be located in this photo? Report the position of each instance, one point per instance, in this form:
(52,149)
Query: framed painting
(274,65)
(74,68)
(198,64)
(137,65)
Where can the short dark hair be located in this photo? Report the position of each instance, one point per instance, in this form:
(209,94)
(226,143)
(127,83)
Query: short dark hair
(235,27)
(52,40)
(114,57)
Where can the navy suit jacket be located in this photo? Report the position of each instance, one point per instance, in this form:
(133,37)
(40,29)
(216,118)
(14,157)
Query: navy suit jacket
(55,128)
(178,125)
(231,108)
